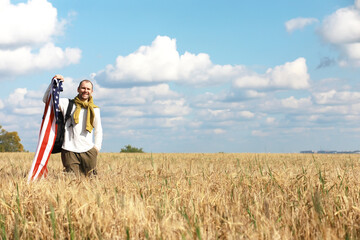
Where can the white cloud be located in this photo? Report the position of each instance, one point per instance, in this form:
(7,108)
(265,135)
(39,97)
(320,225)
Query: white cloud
(22,60)
(29,111)
(136,123)
(169,107)
(135,95)
(219,112)
(142,110)
(254,94)
(357,4)
(24,102)
(30,23)
(246,114)
(219,131)
(252,81)
(323,98)
(294,103)
(159,108)
(149,63)
(224,115)
(353,50)
(343,26)
(270,120)
(130,112)
(259,133)
(157,101)
(291,75)
(334,97)
(161,62)
(299,23)
(352,54)
(284,106)
(239,95)
(342,29)
(171,122)
(17,96)
(26,38)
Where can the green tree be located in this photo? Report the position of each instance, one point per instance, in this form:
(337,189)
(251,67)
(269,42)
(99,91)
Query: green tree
(130,149)
(10,141)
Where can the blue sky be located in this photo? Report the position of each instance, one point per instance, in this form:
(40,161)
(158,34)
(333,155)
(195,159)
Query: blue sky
(190,76)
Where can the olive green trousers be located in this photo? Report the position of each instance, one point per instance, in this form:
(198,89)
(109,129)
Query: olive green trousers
(80,163)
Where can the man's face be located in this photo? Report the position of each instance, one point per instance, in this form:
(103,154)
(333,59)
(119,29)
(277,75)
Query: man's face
(85,91)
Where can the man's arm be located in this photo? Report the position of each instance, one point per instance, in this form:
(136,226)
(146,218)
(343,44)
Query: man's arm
(98,133)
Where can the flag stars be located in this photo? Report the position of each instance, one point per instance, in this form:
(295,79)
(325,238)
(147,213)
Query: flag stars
(57,88)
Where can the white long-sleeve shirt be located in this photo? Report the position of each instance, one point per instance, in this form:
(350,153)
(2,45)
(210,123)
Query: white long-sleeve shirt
(77,138)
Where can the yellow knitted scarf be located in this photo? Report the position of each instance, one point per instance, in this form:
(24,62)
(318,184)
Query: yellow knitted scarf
(89,105)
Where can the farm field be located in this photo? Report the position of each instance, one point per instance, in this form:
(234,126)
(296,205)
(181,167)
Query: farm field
(185,196)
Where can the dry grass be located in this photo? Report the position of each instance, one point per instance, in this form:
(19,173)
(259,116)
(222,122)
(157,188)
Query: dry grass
(189,196)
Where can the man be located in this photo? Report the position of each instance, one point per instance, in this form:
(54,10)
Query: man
(79,150)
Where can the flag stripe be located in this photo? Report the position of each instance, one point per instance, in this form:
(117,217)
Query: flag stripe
(47,134)
(42,159)
(43,141)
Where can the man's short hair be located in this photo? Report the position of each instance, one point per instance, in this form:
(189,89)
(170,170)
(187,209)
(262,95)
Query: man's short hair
(85,80)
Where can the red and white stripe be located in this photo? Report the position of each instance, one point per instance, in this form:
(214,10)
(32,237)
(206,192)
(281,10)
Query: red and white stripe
(46,141)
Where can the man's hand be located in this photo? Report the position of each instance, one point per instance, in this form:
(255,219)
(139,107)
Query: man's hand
(60,77)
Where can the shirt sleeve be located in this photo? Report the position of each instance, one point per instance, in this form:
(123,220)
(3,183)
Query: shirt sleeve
(46,94)
(98,133)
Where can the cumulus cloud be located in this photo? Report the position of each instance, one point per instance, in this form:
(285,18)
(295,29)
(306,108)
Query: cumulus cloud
(343,26)
(253,94)
(246,114)
(219,131)
(225,114)
(24,102)
(145,109)
(259,133)
(294,103)
(151,107)
(270,120)
(291,75)
(299,23)
(342,29)
(23,60)
(357,4)
(156,101)
(30,23)
(169,107)
(135,95)
(161,62)
(334,97)
(351,53)
(17,96)
(27,31)
(286,105)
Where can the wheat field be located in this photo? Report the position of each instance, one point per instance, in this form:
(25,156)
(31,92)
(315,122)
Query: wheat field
(185,196)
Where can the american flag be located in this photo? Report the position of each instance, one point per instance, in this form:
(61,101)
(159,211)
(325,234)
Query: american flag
(57,88)
(47,133)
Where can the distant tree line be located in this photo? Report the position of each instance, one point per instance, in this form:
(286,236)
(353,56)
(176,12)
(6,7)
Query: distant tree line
(10,141)
(131,149)
(331,152)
